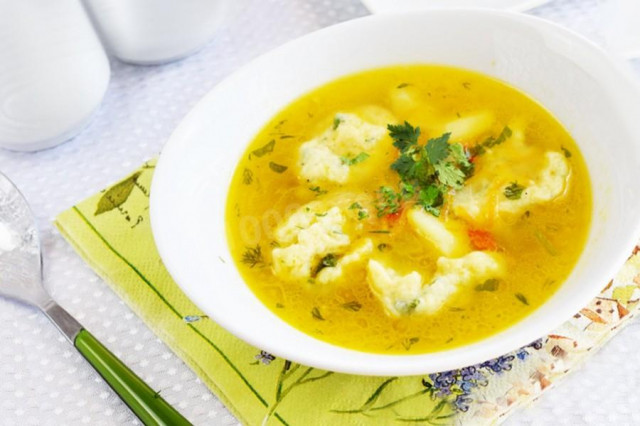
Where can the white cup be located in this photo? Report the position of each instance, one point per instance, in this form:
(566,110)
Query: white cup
(53,72)
(156,31)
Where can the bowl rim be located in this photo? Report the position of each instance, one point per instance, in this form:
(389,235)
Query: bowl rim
(386,364)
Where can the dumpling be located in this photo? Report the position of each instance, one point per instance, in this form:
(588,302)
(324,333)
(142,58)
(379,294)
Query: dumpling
(406,294)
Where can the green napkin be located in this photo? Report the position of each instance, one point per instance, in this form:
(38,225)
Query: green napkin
(111,231)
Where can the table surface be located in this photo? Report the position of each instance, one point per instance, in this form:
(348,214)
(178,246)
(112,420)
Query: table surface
(43,380)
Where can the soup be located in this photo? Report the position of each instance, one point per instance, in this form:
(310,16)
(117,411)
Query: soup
(408,209)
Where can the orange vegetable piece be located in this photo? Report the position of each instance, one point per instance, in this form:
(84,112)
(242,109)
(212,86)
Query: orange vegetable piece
(482,240)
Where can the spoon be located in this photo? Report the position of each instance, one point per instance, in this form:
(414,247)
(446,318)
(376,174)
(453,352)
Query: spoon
(21,279)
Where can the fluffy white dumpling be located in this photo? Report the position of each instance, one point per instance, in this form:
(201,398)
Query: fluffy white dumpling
(357,255)
(483,197)
(318,163)
(396,292)
(402,295)
(550,183)
(309,238)
(320,159)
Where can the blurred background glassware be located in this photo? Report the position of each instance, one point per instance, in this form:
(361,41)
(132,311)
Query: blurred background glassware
(149,32)
(53,72)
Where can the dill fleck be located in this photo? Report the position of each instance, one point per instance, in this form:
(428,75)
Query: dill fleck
(352,306)
(247,177)
(253,256)
(315,312)
(522,298)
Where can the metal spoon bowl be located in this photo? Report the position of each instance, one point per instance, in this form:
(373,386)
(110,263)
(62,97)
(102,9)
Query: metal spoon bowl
(21,279)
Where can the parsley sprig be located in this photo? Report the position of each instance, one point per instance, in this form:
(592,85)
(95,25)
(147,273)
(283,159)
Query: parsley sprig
(427,172)
(514,191)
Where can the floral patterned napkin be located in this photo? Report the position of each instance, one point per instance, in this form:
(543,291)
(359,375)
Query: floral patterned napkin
(111,232)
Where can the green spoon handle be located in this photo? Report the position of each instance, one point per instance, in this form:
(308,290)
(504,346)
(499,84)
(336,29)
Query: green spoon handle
(147,404)
(143,401)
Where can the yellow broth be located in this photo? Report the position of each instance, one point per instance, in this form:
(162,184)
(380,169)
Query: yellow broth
(540,247)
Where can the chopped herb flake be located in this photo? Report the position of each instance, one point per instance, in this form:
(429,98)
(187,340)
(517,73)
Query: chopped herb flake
(362,214)
(355,206)
(402,85)
(521,298)
(247,177)
(407,308)
(278,168)
(388,201)
(567,153)
(252,256)
(352,306)
(336,122)
(544,241)
(380,231)
(383,247)
(268,148)
(329,261)
(488,285)
(407,343)
(490,142)
(514,191)
(317,190)
(355,160)
(315,312)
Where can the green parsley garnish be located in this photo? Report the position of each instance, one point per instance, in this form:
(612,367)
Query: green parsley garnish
(336,122)
(352,306)
(488,285)
(355,160)
(566,152)
(315,312)
(427,171)
(247,176)
(514,191)
(388,201)
(268,148)
(490,142)
(522,298)
(362,212)
(318,190)
(278,168)
(407,343)
(329,261)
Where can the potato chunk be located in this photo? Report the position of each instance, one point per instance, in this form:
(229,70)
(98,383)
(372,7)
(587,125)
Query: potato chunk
(448,241)
(403,295)
(470,126)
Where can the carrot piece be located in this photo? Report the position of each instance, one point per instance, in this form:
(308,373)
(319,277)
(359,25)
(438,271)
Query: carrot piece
(392,218)
(482,240)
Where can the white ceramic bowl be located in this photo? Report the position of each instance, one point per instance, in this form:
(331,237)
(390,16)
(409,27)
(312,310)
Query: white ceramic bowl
(595,97)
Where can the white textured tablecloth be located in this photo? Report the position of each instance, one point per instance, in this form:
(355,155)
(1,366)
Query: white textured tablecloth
(44,381)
